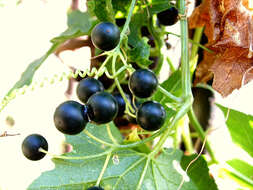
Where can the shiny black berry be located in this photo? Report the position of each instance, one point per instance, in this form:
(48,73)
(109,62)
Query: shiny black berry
(95,188)
(121,103)
(151,115)
(143,83)
(105,36)
(70,117)
(168,17)
(102,107)
(87,87)
(31,145)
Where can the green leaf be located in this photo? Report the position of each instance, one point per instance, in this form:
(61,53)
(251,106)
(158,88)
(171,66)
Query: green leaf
(102,9)
(79,24)
(242,170)
(121,5)
(240,126)
(140,51)
(124,171)
(199,172)
(159,6)
(27,75)
(236,177)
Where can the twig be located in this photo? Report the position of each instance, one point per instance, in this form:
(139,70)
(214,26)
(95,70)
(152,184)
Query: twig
(75,5)
(73,44)
(5,134)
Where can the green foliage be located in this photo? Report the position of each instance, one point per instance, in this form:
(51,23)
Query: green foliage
(159,6)
(242,172)
(140,50)
(121,5)
(199,172)
(123,171)
(240,128)
(79,24)
(102,9)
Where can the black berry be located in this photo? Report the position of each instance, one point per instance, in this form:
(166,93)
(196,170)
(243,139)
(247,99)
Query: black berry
(121,103)
(168,17)
(151,115)
(105,36)
(95,188)
(120,22)
(102,107)
(143,83)
(31,145)
(87,87)
(70,117)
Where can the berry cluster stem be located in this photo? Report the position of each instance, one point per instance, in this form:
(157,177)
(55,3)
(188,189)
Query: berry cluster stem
(186,80)
(125,28)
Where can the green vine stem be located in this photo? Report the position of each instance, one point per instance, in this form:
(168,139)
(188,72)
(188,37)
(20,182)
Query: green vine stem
(125,28)
(194,121)
(186,135)
(186,80)
(196,42)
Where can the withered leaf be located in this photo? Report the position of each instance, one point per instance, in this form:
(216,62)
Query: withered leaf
(229,29)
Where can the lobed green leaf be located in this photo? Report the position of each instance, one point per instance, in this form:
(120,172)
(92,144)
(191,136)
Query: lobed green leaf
(240,126)
(127,169)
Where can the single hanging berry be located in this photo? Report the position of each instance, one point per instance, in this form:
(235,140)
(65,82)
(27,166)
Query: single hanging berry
(151,115)
(105,36)
(70,117)
(168,17)
(87,87)
(31,145)
(143,83)
(102,107)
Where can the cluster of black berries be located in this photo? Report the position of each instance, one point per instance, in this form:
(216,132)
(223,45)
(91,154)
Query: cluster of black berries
(98,106)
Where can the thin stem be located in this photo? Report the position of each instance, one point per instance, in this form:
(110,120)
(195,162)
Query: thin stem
(192,41)
(104,168)
(110,134)
(101,68)
(186,135)
(196,42)
(195,123)
(97,139)
(127,21)
(75,157)
(169,95)
(172,67)
(116,80)
(185,68)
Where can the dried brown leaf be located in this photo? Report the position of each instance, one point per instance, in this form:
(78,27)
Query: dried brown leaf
(229,29)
